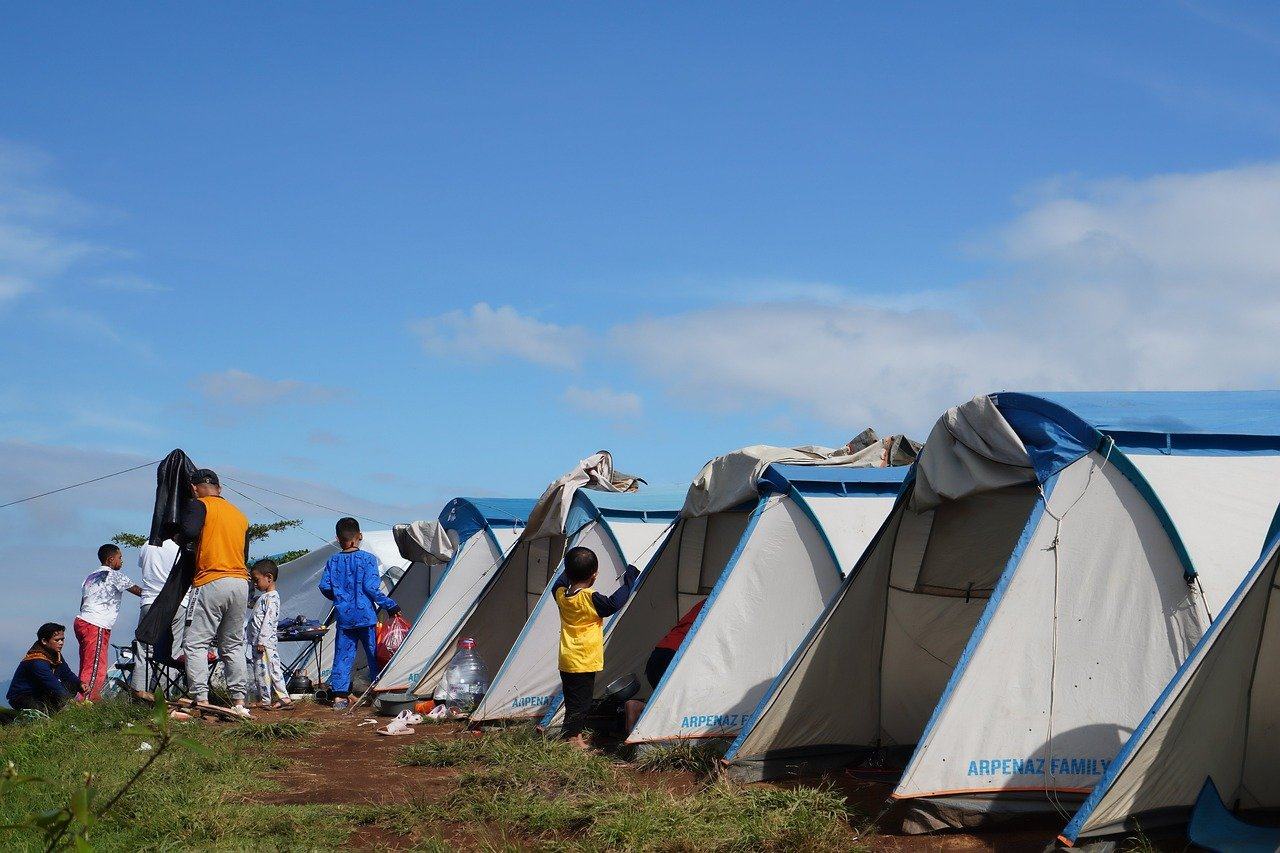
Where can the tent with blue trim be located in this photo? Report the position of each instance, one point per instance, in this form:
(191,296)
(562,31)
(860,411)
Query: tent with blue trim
(1211,740)
(577,508)
(765,545)
(622,529)
(1050,563)
(482,531)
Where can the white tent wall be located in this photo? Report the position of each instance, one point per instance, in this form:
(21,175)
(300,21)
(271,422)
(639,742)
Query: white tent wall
(762,606)
(495,617)
(529,675)
(874,666)
(1089,652)
(1217,719)
(684,570)
(300,577)
(471,568)
(1222,507)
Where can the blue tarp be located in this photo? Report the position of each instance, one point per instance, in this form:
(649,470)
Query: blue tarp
(1214,827)
(467,516)
(835,479)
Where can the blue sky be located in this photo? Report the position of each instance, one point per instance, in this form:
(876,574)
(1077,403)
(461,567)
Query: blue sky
(382,255)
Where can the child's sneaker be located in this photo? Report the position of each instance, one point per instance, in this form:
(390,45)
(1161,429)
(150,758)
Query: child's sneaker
(340,704)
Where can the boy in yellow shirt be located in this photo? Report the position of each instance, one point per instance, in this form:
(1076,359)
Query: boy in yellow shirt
(582,615)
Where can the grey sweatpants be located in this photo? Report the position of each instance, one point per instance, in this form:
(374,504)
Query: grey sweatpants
(217,618)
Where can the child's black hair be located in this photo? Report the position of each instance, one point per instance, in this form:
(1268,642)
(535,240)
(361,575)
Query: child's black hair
(48,629)
(267,567)
(347,529)
(106,551)
(580,564)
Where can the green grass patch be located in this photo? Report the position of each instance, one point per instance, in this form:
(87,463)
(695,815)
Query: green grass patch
(573,800)
(698,757)
(251,730)
(188,799)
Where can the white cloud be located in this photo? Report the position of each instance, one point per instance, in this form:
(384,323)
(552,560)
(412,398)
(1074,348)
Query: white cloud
(1167,282)
(487,334)
(246,390)
(603,402)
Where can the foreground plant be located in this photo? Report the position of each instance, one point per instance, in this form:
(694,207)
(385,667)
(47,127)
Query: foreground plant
(72,824)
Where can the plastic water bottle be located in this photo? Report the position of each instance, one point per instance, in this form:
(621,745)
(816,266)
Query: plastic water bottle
(467,678)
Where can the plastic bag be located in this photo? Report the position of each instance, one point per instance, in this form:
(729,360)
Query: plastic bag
(390,635)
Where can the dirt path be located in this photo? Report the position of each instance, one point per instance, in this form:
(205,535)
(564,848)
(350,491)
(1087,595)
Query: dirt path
(346,762)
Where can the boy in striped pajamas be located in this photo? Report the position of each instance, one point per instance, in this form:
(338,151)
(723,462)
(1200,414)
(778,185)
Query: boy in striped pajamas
(262,637)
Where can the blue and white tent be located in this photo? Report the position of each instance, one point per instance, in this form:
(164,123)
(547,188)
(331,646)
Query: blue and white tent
(511,592)
(1050,564)
(1215,730)
(764,545)
(482,532)
(623,529)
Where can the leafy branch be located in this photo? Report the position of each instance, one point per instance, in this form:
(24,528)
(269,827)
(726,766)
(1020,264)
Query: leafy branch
(70,825)
(257,532)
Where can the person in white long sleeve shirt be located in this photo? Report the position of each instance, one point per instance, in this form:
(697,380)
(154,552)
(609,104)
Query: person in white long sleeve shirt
(155,562)
(263,639)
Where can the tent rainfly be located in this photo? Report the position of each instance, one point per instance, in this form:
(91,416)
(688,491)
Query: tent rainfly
(1217,720)
(1050,563)
(479,532)
(623,529)
(299,586)
(765,545)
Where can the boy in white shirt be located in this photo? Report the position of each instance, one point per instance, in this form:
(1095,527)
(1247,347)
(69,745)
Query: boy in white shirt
(99,608)
(262,637)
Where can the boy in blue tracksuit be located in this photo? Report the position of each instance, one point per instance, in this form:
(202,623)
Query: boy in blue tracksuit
(351,581)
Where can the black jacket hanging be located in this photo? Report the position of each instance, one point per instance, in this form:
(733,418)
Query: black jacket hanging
(173,493)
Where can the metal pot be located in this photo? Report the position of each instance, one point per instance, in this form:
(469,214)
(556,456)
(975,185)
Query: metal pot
(300,685)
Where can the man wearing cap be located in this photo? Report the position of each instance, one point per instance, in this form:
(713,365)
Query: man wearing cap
(220,590)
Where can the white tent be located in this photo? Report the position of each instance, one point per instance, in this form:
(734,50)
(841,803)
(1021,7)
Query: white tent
(482,531)
(765,544)
(516,624)
(300,581)
(1218,719)
(1050,563)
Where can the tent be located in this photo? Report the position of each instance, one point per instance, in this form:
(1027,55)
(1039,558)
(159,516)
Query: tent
(1051,561)
(1215,722)
(299,588)
(516,625)
(765,544)
(482,531)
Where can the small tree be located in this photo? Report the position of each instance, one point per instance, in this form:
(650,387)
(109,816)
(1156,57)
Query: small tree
(257,533)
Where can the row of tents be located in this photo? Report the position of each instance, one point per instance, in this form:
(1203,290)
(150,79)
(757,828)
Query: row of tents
(989,619)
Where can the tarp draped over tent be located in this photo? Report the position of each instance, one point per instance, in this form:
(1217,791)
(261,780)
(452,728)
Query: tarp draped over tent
(498,616)
(480,532)
(424,542)
(1218,719)
(765,566)
(1015,618)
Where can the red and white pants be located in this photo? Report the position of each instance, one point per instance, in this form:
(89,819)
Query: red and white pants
(95,643)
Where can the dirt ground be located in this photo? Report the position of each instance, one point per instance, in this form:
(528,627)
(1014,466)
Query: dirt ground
(345,762)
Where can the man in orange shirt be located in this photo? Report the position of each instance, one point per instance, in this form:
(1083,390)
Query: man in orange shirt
(220,591)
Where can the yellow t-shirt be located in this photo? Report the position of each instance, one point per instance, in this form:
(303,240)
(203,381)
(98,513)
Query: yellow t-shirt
(581,632)
(220,553)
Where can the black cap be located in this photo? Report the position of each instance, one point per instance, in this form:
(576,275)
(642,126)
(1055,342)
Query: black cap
(205,475)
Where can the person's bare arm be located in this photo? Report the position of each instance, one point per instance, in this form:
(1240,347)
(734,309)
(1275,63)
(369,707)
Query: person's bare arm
(135,589)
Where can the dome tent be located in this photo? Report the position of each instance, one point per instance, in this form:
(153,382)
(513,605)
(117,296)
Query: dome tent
(1050,563)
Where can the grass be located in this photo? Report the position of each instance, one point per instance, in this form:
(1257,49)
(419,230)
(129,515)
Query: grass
(272,730)
(580,801)
(697,757)
(187,800)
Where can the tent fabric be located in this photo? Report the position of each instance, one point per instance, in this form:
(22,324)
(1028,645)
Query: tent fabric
(774,562)
(484,530)
(1215,828)
(1021,665)
(424,542)
(729,480)
(1216,719)
(622,529)
(595,472)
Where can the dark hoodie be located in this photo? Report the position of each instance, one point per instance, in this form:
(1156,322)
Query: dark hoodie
(43,677)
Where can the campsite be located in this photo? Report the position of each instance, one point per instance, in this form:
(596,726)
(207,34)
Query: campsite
(663,427)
